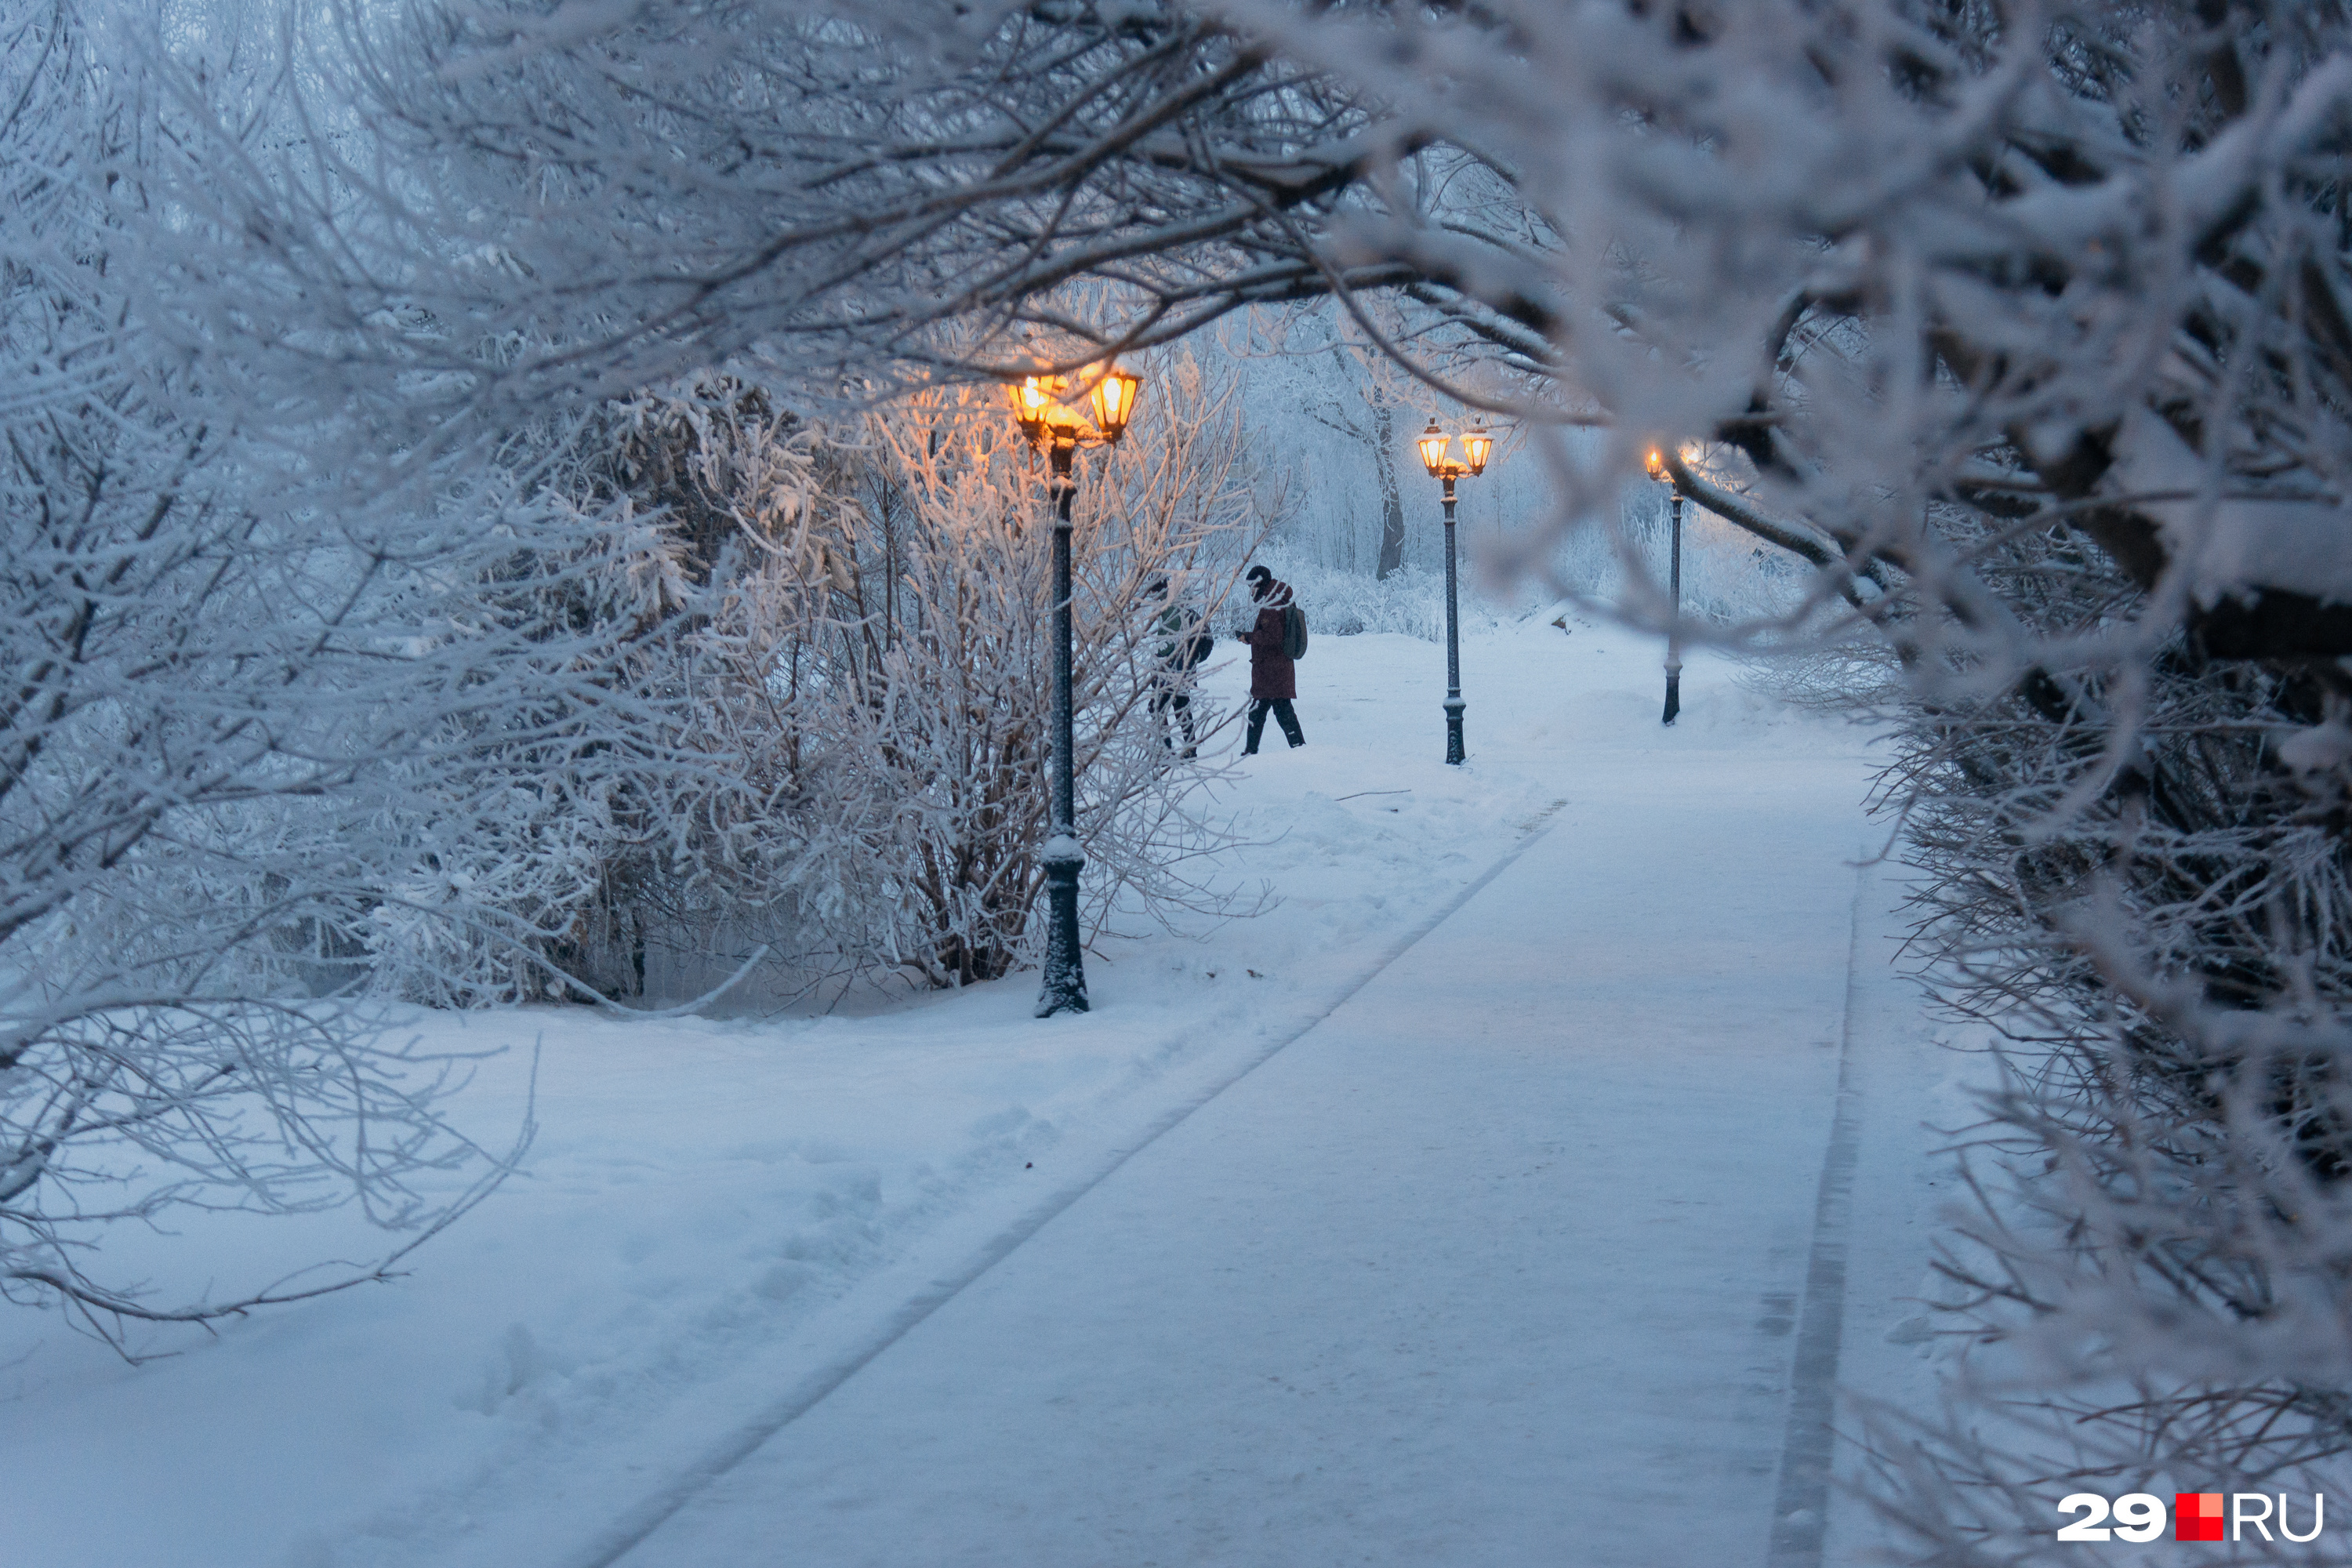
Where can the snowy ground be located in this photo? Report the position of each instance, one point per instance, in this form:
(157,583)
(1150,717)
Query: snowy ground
(1576,1131)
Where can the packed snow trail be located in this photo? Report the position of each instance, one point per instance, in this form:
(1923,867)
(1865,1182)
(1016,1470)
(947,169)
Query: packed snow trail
(723,1219)
(1493,1265)
(656,1510)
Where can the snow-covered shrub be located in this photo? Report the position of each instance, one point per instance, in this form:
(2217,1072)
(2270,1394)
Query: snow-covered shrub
(827,688)
(922,712)
(549,851)
(2161,940)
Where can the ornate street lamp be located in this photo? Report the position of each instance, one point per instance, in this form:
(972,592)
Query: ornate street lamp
(1659,472)
(1055,429)
(1434,445)
(1113,398)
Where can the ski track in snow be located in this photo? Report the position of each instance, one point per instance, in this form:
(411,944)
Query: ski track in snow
(656,1510)
(720,1216)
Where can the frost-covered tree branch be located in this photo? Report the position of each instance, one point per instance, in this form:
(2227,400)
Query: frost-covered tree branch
(218,691)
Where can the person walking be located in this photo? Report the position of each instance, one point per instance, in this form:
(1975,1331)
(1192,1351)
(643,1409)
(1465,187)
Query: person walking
(1273,677)
(1183,644)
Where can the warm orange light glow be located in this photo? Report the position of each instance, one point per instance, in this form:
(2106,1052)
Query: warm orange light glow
(1656,463)
(1114,400)
(1034,398)
(1475,444)
(1433,444)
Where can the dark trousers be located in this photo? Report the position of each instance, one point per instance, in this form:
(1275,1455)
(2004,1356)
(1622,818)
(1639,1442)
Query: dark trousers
(1168,700)
(1282,716)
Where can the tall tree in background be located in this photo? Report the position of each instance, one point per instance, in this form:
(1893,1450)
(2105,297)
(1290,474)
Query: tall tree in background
(1369,419)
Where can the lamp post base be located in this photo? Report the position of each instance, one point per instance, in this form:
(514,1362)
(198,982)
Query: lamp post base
(1453,706)
(1674,693)
(1064,989)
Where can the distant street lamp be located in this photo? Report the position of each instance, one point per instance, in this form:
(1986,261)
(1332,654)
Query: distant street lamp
(1659,472)
(1055,429)
(1435,445)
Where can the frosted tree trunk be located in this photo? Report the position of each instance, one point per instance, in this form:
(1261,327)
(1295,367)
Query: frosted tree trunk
(1391,500)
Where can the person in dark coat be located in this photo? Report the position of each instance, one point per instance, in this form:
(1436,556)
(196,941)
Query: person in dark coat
(1274,678)
(1184,643)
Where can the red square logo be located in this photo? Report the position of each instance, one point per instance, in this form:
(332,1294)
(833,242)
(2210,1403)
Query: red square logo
(2197,1516)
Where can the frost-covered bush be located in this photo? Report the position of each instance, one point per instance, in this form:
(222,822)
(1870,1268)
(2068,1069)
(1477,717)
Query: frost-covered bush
(2162,943)
(922,700)
(549,851)
(826,662)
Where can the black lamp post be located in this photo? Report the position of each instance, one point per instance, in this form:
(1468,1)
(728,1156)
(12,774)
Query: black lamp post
(1056,429)
(1434,444)
(1658,470)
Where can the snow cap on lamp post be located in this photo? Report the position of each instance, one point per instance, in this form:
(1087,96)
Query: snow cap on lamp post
(1433,444)
(1061,435)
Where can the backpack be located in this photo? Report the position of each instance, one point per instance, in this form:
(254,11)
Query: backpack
(1294,631)
(1193,649)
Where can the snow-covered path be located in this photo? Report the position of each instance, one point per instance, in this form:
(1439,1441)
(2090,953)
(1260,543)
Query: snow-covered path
(1499,1255)
(1495,1266)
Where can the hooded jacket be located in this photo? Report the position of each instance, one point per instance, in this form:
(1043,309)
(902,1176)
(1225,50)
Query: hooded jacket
(1273,676)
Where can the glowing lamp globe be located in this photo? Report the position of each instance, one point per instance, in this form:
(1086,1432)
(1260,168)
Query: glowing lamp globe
(1475,444)
(1030,399)
(1114,400)
(1433,445)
